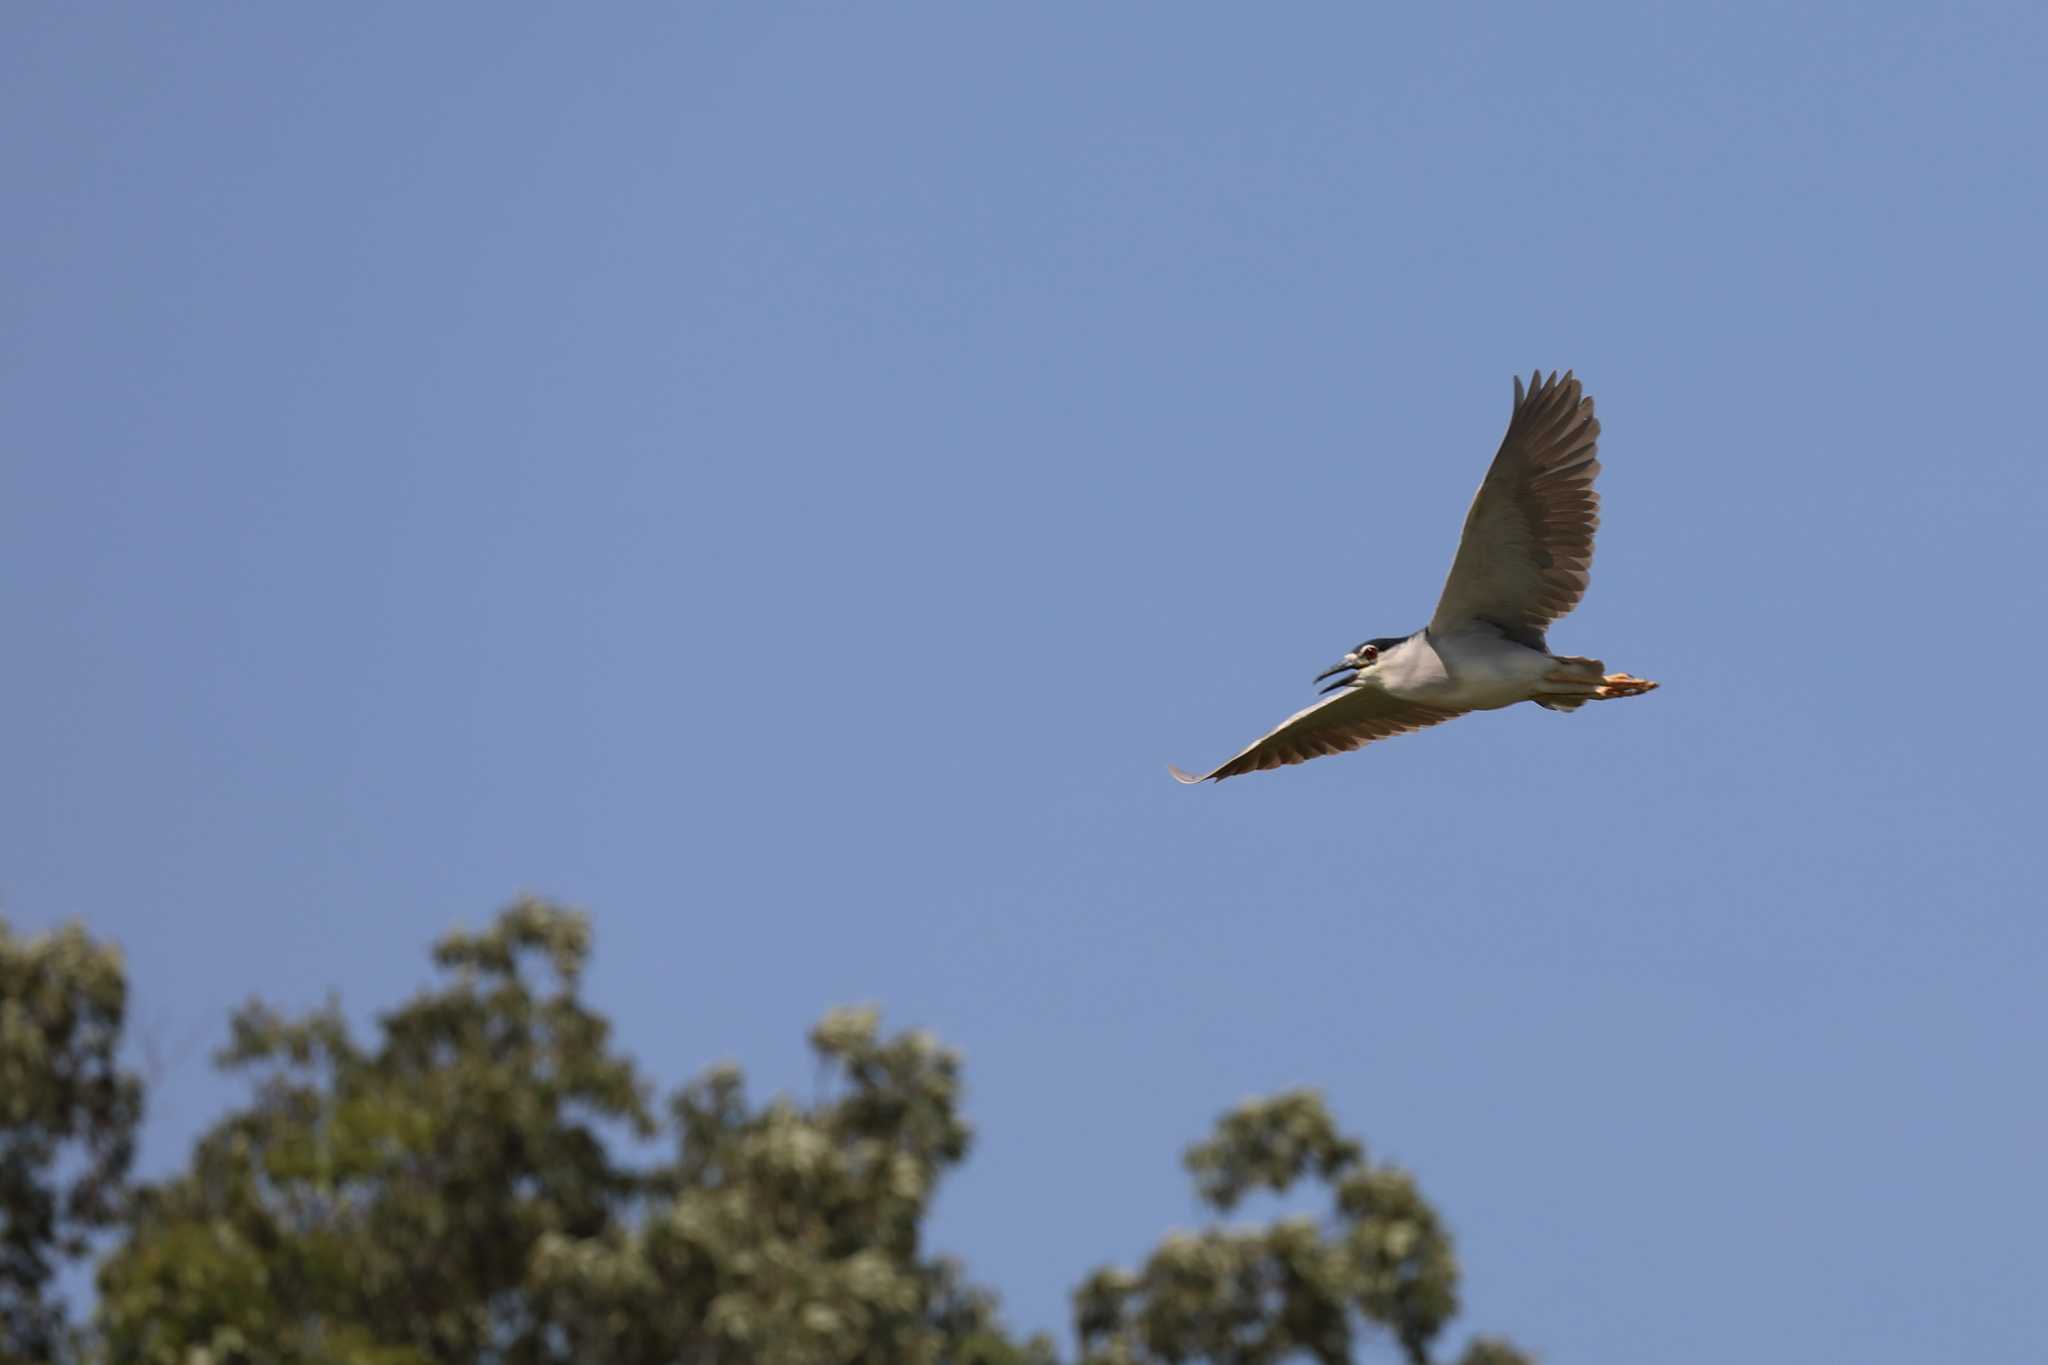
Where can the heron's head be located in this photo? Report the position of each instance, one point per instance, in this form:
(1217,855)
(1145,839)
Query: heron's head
(1359,662)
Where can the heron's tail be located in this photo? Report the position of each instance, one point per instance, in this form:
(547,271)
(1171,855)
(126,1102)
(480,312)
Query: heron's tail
(1575,681)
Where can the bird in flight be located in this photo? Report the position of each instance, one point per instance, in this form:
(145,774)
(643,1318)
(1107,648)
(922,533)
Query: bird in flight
(1521,565)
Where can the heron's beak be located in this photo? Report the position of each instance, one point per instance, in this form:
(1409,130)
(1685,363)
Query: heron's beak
(1332,671)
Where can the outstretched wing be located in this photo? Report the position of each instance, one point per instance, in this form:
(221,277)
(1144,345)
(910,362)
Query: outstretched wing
(1351,718)
(1528,543)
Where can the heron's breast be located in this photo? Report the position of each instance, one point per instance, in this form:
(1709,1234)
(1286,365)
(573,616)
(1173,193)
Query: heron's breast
(1487,672)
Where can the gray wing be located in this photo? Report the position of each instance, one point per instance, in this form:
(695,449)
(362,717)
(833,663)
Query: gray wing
(1351,718)
(1528,541)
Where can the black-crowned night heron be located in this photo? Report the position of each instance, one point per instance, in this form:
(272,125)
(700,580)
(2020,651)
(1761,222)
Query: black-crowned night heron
(1521,565)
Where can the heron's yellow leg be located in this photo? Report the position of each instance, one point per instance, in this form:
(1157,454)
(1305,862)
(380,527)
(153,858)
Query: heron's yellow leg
(1622,685)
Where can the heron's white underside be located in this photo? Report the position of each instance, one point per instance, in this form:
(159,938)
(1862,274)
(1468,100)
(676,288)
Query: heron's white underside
(1468,669)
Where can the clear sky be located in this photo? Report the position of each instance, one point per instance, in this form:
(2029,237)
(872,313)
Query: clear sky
(788,479)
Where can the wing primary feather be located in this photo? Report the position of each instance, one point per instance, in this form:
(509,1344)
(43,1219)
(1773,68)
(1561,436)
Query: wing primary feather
(1526,554)
(1345,721)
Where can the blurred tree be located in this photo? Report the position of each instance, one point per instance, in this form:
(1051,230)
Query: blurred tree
(67,1121)
(451,1196)
(790,1236)
(382,1206)
(454,1195)
(1293,1289)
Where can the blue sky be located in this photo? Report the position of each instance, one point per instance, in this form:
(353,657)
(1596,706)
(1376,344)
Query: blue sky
(788,479)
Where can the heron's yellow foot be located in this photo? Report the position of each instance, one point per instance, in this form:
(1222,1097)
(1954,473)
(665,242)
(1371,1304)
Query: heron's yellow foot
(1623,685)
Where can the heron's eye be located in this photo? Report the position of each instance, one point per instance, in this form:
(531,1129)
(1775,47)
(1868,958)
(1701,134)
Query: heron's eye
(1370,653)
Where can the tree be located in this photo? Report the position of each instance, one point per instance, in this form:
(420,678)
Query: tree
(790,1236)
(455,1194)
(1294,1288)
(67,1121)
(451,1195)
(382,1207)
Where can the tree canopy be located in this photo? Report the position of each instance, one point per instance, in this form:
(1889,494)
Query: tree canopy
(479,1183)
(68,1112)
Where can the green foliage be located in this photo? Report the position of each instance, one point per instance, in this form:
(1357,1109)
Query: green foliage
(454,1193)
(790,1236)
(451,1196)
(384,1206)
(67,1121)
(1296,1287)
